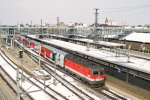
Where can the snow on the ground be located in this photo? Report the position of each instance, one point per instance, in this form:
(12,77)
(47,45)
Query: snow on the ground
(12,73)
(59,87)
(140,37)
(76,83)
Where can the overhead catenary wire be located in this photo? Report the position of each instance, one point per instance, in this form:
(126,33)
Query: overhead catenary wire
(127,7)
(121,9)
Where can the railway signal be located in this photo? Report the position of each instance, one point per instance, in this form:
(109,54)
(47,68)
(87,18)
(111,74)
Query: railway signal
(18,77)
(20,54)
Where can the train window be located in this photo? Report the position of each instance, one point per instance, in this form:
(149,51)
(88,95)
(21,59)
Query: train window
(101,71)
(95,72)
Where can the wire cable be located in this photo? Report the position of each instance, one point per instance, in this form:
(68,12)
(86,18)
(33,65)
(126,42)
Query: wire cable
(116,10)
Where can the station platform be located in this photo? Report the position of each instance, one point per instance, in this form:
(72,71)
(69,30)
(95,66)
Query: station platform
(140,54)
(127,89)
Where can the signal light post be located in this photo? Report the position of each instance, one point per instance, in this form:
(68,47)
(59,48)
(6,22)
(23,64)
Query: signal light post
(17,77)
(24,78)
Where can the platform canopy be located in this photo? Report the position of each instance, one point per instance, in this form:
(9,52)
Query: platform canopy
(139,37)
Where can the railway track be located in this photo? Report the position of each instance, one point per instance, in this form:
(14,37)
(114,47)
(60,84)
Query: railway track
(82,95)
(55,93)
(78,92)
(114,94)
(12,83)
(102,90)
(107,93)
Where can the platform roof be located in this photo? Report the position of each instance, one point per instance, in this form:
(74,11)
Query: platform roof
(139,37)
(103,43)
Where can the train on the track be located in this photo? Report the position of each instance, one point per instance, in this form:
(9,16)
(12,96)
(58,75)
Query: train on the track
(84,69)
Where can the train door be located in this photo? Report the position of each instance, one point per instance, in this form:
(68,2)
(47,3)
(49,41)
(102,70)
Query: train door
(27,42)
(60,59)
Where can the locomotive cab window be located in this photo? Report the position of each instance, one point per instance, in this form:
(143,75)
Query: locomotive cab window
(95,72)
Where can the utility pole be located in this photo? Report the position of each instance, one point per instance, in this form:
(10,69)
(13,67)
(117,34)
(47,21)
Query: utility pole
(57,25)
(96,25)
(57,21)
(17,28)
(31,29)
(41,27)
(14,40)
(31,23)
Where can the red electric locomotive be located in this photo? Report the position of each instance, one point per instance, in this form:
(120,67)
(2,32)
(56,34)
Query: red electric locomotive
(85,69)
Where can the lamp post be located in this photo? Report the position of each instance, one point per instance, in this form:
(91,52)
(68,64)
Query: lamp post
(41,27)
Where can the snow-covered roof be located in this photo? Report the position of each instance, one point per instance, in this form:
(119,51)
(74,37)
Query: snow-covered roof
(139,37)
(32,36)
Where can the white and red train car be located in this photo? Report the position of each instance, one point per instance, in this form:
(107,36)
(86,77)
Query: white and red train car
(86,70)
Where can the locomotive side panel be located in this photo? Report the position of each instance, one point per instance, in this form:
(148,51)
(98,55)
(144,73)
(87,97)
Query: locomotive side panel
(32,45)
(46,52)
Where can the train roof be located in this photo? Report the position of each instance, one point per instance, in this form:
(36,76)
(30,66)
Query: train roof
(56,50)
(135,63)
(83,62)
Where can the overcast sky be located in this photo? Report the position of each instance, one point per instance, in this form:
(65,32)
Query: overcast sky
(133,12)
